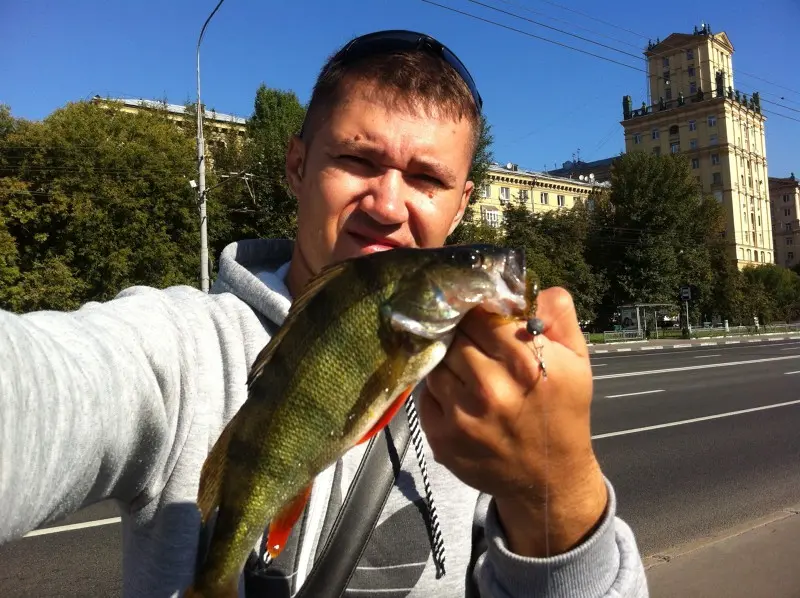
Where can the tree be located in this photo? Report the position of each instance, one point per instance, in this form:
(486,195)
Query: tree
(779,289)
(654,232)
(95,200)
(555,245)
(472,230)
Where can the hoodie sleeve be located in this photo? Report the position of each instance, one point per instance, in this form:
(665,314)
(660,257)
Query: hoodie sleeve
(606,565)
(97,403)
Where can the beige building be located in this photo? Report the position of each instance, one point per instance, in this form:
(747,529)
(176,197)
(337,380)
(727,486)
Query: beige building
(694,109)
(540,192)
(216,125)
(784,195)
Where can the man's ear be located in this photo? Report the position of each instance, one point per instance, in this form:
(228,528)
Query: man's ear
(295,163)
(469,187)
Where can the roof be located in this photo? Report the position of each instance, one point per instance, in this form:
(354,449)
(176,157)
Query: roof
(495,167)
(675,41)
(174,108)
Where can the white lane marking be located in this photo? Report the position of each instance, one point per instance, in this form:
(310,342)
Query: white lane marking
(790,373)
(652,348)
(707,344)
(693,367)
(795,348)
(732,342)
(705,356)
(598,365)
(693,420)
(72,527)
(633,394)
(668,350)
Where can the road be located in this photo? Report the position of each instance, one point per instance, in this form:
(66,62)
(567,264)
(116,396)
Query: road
(720,447)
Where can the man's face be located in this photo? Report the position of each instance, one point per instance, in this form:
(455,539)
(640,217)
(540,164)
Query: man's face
(374,178)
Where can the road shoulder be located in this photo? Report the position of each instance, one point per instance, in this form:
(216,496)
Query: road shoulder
(754,559)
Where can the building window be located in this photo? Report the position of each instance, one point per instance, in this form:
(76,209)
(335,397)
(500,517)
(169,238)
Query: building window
(669,93)
(788,226)
(718,196)
(543,198)
(673,130)
(787,212)
(712,121)
(712,140)
(689,54)
(695,163)
(790,255)
(693,144)
(716,178)
(523,195)
(505,194)
(637,138)
(714,159)
(666,77)
(789,241)
(656,134)
(561,200)
(490,216)
(692,87)
(486,190)
(657,151)
(692,125)
(691,71)
(674,147)
(665,62)
(786,198)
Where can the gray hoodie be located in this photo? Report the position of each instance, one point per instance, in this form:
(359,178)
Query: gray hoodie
(123,400)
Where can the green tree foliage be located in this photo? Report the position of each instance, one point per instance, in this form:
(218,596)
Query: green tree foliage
(473,229)
(555,246)
(776,291)
(94,200)
(654,232)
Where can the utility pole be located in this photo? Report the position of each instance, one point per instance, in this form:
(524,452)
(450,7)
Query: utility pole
(201,168)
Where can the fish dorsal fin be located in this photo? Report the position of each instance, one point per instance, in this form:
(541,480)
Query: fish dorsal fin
(323,277)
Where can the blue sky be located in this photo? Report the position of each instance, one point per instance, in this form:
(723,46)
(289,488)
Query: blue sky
(543,101)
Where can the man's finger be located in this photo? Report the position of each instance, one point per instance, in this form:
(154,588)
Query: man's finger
(554,306)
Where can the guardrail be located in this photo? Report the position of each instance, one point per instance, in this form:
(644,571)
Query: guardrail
(699,332)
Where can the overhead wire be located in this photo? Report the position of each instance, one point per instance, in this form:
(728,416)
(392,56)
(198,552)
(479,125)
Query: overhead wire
(567,46)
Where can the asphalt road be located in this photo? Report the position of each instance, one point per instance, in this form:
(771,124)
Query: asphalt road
(678,479)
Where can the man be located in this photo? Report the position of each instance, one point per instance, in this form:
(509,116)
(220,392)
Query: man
(124,400)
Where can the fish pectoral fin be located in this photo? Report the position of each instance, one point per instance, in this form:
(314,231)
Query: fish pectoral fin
(213,472)
(281,525)
(428,330)
(387,416)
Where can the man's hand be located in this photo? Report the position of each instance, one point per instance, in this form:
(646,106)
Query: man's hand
(496,424)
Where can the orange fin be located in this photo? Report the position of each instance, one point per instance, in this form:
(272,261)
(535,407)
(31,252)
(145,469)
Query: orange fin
(387,417)
(281,525)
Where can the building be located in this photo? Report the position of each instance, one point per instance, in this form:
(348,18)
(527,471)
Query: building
(216,125)
(574,169)
(784,199)
(694,109)
(539,191)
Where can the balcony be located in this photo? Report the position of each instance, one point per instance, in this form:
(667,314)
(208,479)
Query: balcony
(752,103)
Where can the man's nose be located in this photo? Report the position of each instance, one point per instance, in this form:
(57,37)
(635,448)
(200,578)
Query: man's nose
(386,201)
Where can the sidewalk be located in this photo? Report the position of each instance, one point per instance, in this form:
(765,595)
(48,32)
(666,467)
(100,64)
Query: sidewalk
(676,343)
(761,558)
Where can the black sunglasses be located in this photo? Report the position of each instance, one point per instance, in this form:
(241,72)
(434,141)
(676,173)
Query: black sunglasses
(399,40)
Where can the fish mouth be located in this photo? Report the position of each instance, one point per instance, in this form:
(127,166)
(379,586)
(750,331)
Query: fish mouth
(508,295)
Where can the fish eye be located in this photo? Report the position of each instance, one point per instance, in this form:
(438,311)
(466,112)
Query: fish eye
(470,258)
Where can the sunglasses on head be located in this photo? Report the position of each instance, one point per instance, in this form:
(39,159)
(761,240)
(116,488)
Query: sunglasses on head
(401,40)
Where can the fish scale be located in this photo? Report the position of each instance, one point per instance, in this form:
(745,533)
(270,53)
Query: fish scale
(358,339)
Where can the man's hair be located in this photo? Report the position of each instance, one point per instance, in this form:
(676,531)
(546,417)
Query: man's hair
(405,80)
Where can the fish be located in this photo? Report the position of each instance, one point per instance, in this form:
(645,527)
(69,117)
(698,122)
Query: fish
(358,339)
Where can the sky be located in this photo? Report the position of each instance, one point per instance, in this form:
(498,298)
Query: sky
(545,102)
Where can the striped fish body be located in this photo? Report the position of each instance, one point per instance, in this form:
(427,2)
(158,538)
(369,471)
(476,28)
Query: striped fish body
(362,335)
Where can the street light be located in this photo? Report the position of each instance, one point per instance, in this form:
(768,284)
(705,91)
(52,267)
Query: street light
(201,168)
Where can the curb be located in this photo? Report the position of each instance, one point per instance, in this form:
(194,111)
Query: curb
(689,345)
(663,557)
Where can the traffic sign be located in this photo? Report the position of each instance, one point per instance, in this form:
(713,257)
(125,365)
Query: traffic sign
(686,294)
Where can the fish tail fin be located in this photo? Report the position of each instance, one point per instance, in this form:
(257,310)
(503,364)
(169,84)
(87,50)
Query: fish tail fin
(212,474)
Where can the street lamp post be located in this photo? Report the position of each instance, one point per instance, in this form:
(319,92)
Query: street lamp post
(201,168)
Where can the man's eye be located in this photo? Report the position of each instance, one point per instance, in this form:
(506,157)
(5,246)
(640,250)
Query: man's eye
(355,159)
(430,180)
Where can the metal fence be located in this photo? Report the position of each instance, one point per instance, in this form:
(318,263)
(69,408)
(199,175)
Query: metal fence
(707,331)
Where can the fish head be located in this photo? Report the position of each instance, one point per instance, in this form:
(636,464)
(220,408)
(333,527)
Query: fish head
(457,278)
